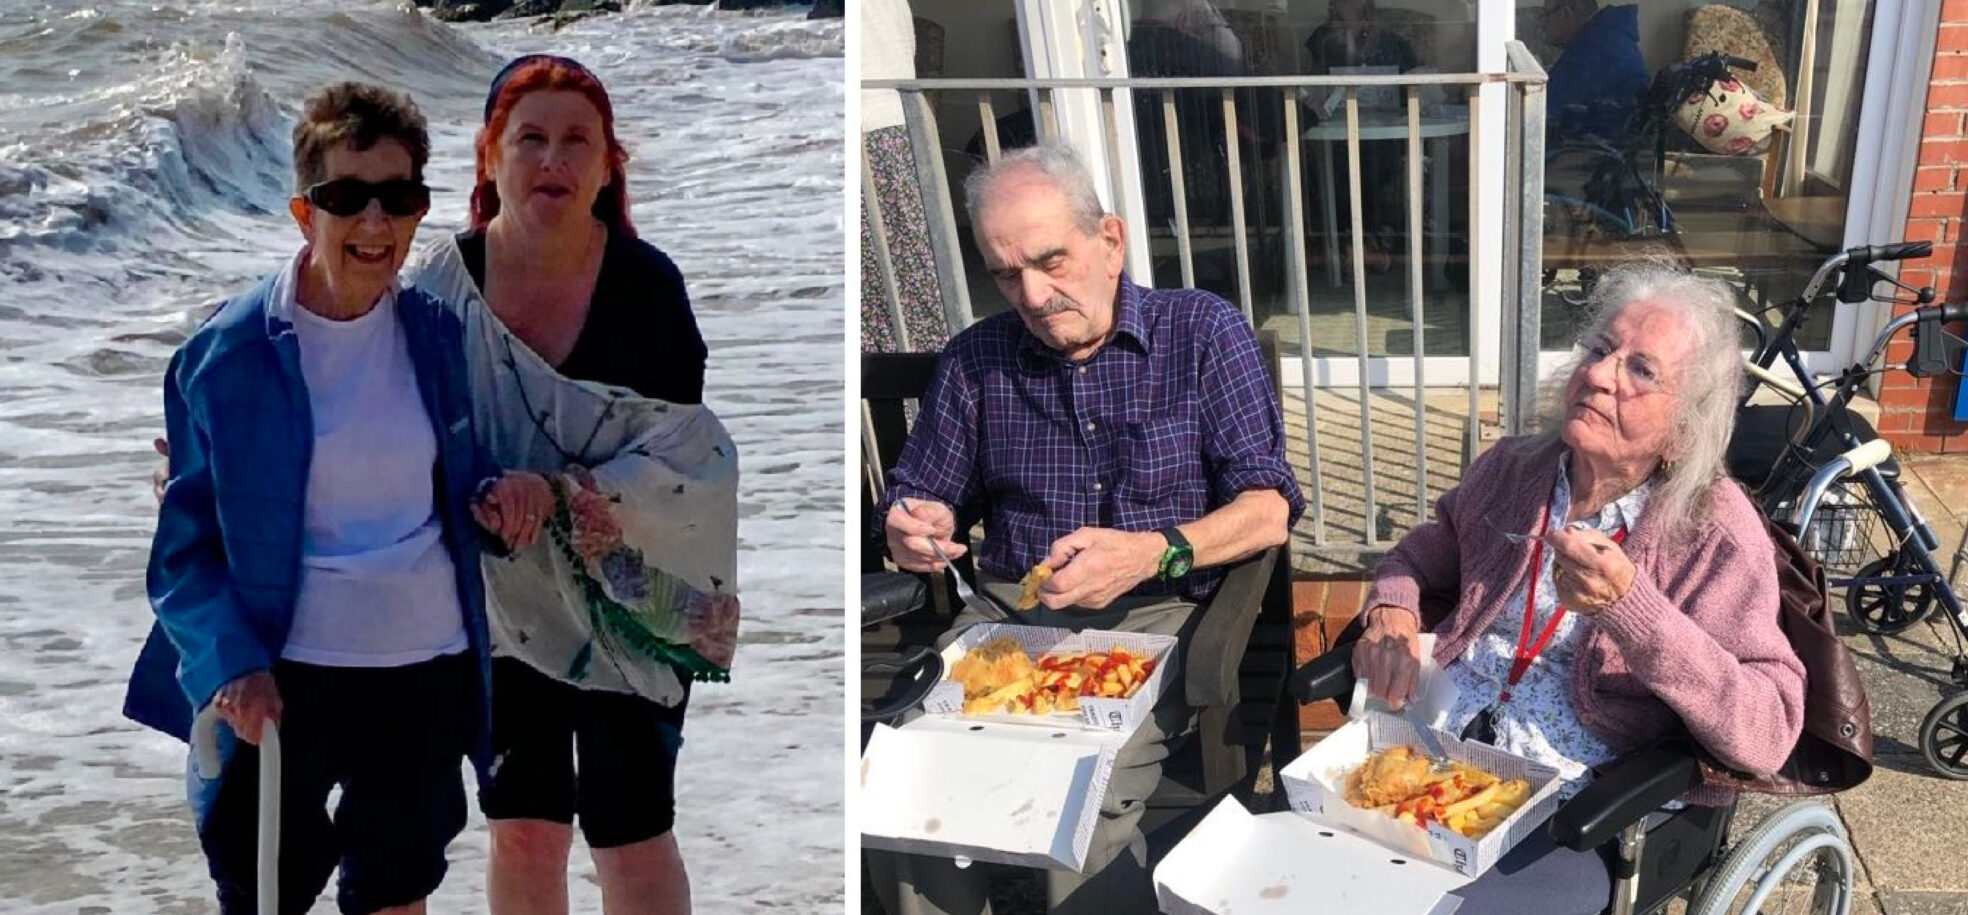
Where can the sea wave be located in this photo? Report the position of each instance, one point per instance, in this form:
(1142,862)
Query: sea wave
(202,133)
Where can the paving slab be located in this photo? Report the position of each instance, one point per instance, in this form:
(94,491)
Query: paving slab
(1895,903)
(1907,826)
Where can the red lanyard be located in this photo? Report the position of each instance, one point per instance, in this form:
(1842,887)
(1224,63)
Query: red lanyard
(1527,650)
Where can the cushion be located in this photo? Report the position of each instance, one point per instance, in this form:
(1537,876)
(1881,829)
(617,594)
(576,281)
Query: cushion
(1729,118)
(1736,33)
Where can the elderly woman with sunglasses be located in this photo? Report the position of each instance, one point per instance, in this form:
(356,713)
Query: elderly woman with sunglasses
(586,364)
(1611,583)
(316,562)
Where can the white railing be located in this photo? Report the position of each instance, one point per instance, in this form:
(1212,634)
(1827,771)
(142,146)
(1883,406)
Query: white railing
(1523,125)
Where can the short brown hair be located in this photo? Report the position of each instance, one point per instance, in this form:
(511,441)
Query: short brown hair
(359,114)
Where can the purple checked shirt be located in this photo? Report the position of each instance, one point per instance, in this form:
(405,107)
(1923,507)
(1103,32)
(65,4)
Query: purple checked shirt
(1170,420)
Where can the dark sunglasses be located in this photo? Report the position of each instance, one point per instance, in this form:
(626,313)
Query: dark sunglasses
(350,196)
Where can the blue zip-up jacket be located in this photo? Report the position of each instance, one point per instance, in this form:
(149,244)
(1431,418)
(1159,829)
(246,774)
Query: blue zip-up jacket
(1596,84)
(225,563)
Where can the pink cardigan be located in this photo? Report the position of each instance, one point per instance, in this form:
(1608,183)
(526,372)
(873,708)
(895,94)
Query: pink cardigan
(1696,637)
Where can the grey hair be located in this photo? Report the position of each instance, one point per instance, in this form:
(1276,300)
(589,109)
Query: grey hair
(1055,162)
(1706,390)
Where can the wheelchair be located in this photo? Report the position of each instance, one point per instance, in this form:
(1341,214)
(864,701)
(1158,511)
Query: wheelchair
(894,681)
(1798,856)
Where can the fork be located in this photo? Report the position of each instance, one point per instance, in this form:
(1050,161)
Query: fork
(1513,536)
(988,608)
(1517,538)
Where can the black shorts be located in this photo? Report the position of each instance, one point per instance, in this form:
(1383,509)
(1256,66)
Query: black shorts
(395,739)
(626,789)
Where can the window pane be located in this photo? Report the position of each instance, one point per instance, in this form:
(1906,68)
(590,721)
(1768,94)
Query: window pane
(1206,38)
(1653,147)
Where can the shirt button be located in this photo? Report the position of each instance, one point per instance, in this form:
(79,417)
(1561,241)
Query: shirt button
(1083,369)
(1089,425)
(1096,486)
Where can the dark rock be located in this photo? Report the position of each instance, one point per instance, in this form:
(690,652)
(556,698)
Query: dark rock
(590,6)
(737,5)
(525,8)
(828,9)
(467,10)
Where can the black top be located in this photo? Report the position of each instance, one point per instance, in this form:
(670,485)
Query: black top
(640,333)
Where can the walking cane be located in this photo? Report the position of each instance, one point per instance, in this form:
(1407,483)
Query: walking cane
(205,754)
(269,883)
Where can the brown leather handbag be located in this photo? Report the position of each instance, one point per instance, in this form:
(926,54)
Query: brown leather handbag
(1835,751)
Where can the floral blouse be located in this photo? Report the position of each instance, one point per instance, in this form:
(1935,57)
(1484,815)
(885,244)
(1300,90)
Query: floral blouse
(1539,722)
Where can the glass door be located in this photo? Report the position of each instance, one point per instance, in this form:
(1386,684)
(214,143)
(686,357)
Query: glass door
(1747,175)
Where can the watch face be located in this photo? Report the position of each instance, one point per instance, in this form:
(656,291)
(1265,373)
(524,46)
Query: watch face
(1178,564)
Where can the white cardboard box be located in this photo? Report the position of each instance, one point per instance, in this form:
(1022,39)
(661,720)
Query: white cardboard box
(1313,783)
(1010,794)
(1287,864)
(1120,716)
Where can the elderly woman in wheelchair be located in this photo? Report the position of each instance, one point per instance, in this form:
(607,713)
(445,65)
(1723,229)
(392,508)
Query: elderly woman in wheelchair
(1612,588)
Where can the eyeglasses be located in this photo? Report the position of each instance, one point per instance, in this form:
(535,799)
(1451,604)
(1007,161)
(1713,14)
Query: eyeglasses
(1643,376)
(350,196)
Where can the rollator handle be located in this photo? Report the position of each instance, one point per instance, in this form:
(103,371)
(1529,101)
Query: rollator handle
(1866,254)
(1853,462)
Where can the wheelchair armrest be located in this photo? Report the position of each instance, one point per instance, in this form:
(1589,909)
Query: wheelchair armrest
(1328,676)
(1216,648)
(887,595)
(1625,791)
(912,674)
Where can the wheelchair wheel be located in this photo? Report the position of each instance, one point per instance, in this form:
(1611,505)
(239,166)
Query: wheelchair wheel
(1944,737)
(1886,609)
(1798,859)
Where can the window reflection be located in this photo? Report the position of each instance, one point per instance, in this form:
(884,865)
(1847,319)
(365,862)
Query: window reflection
(1739,166)
(1204,38)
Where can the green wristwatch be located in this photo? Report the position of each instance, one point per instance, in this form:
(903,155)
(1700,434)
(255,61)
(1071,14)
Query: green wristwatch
(1178,558)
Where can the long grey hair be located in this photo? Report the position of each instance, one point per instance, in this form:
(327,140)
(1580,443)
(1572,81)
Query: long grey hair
(1705,391)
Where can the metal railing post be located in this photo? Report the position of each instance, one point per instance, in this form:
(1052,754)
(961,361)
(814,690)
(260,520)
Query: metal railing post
(1359,225)
(1302,289)
(1178,187)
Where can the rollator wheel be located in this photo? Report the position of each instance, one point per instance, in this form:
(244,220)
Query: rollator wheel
(1886,609)
(1797,860)
(1944,737)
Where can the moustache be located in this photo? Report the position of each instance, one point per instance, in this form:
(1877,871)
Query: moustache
(1052,307)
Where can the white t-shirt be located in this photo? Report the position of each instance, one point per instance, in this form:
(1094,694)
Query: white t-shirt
(377,585)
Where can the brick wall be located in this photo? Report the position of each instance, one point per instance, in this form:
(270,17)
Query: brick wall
(1915,414)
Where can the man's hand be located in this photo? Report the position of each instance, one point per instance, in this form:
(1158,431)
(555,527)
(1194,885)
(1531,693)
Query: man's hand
(1094,565)
(1588,570)
(911,529)
(247,702)
(1388,656)
(515,507)
(162,474)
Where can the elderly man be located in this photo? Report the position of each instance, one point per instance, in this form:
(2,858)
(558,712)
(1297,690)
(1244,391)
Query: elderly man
(1598,79)
(1128,438)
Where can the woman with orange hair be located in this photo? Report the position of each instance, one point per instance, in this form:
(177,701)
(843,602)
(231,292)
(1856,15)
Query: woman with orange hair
(586,363)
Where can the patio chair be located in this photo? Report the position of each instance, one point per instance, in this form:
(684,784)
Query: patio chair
(1235,666)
